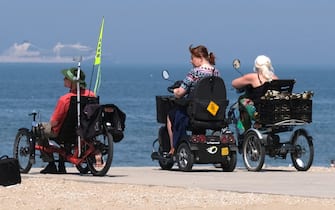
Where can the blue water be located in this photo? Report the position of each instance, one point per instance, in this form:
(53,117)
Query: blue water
(27,87)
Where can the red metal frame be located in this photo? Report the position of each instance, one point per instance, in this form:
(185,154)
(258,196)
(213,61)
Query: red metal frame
(72,158)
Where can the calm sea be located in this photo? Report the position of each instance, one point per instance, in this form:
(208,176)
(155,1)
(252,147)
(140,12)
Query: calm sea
(27,87)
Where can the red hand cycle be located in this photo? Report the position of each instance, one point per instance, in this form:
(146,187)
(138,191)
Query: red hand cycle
(92,155)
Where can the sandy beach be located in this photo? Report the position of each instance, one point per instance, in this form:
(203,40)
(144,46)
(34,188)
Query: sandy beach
(119,190)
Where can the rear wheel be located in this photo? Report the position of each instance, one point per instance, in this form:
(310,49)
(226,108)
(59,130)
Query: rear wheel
(185,157)
(100,162)
(253,152)
(23,149)
(229,163)
(303,153)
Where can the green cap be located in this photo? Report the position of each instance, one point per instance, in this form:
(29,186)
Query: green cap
(71,74)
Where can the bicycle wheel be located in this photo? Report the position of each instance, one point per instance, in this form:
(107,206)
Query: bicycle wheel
(253,152)
(22,150)
(100,162)
(303,154)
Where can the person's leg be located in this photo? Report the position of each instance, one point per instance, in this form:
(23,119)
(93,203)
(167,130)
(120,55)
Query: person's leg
(47,157)
(170,132)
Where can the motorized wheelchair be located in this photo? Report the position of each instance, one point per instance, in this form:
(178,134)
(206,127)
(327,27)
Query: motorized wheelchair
(208,139)
(88,151)
(278,111)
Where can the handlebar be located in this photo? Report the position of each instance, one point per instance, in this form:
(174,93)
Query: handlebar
(175,85)
(34,114)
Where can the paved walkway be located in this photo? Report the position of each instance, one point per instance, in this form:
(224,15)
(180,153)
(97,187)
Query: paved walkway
(317,182)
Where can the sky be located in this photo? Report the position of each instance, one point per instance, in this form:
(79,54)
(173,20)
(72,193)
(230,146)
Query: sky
(293,32)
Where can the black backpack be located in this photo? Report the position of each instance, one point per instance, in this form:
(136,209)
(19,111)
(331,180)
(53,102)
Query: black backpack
(95,116)
(115,119)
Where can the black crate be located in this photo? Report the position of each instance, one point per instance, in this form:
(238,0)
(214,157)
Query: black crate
(302,109)
(276,110)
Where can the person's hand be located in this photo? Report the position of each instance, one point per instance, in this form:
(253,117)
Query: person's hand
(175,85)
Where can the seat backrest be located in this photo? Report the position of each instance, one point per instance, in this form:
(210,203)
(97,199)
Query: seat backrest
(281,85)
(208,103)
(274,105)
(284,86)
(210,87)
(68,130)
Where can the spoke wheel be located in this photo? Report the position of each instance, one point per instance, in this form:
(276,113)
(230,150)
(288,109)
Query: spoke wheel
(22,150)
(100,162)
(303,153)
(253,152)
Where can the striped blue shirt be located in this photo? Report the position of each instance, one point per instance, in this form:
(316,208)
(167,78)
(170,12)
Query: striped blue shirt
(196,74)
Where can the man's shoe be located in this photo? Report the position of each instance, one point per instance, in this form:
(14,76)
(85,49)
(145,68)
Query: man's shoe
(50,169)
(61,168)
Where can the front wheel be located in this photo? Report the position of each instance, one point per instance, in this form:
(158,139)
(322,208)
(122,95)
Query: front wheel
(253,152)
(100,161)
(303,153)
(23,150)
(185,157)
(165,164)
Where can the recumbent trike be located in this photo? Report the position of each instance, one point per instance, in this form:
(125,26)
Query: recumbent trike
(89,153)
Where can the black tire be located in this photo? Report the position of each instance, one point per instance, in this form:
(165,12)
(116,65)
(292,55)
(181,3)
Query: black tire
(104,146)
(253,152)
(23,149)
(165,165)
(303,153)
(229,163)
(164,147)
(185,157)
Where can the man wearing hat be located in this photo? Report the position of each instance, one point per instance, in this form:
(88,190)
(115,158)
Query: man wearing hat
(52,128)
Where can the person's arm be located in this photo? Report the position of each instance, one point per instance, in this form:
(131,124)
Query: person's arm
(185,85)
(243,81)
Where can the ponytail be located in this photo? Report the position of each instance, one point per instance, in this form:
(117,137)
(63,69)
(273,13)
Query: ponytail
(211,58)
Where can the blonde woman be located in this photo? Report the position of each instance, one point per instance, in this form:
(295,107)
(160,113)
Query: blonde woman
(263,72)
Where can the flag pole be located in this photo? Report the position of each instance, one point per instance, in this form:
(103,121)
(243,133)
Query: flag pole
(77,79)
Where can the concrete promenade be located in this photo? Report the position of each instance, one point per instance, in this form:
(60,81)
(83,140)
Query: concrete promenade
(317,182)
